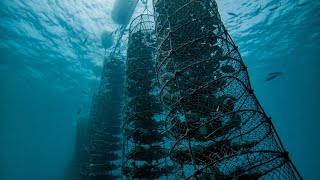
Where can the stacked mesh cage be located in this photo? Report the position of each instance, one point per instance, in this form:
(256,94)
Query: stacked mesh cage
(105,129)
(80,156)
(144,153)
(219,129)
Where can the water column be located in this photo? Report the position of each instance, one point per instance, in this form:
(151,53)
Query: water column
(219,129)
(144,153)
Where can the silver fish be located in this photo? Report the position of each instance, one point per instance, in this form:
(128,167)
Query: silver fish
(271,77)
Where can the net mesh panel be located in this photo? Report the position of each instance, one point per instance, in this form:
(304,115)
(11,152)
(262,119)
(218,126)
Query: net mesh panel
(219,129)
(144,152)
(105,128)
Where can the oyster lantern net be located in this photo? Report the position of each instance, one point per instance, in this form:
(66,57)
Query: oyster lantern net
(105,142)
(144,153)
(217,124)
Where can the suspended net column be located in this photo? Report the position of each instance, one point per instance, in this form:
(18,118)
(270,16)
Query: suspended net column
(219,128)
(105,141)
(145,156)
(80,156)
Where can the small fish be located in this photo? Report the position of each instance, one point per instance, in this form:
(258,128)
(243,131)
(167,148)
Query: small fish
(274,73)
(85,40)
(272,76)
(272,9)
(233,14)
(304,3)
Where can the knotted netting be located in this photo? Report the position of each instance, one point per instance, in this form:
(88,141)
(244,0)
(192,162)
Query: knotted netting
(144,152)
(105,129)
(219,129)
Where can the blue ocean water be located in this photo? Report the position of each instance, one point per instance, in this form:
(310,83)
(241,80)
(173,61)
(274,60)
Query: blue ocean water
(48,75)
